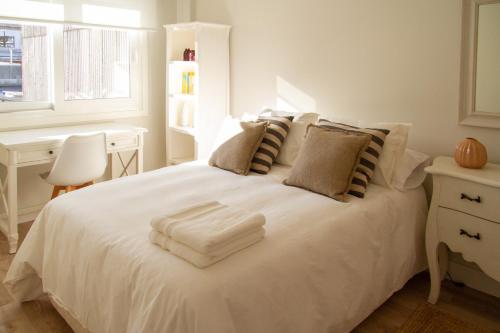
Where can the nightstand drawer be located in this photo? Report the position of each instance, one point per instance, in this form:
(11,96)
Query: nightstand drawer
(477,239)
(472,198)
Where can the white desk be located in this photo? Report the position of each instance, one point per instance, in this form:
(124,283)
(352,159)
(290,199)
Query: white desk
(39,146)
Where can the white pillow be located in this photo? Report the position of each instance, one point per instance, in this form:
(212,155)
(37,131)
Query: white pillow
(290,148)
(249,117)
(308,117)
(410,173)
(230,127)
(392,153)
(343,120)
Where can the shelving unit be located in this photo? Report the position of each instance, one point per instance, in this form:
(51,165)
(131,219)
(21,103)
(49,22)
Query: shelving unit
(193,117)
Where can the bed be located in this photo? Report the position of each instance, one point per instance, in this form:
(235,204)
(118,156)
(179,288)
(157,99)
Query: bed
(323,266)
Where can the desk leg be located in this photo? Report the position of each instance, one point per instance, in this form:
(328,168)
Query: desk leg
(12,203)
(110,166)
(140,155)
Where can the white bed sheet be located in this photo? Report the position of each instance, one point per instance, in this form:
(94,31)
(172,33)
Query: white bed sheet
(323,266)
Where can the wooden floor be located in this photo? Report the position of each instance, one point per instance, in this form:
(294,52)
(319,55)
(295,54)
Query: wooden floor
(468,304)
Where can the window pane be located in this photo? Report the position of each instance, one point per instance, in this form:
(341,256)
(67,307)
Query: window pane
(24,63)
(96,63)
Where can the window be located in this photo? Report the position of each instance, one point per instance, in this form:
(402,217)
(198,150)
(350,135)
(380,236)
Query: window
(24,63)
(96,63)
(63,72)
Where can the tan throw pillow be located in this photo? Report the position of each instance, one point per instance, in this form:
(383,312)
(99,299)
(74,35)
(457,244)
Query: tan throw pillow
(327,160)
(276,132)
(236,153)
(368,161)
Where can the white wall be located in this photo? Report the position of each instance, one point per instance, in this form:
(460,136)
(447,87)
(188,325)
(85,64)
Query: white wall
(390,60)
(33,191)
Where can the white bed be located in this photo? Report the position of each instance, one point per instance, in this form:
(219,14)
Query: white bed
(323,266)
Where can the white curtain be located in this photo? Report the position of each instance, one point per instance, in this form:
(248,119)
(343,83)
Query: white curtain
(35,63)
(97,63)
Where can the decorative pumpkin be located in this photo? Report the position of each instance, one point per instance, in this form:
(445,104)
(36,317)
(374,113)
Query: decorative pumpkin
(471,154)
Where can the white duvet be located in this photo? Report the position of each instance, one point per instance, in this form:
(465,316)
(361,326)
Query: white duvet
(323,266)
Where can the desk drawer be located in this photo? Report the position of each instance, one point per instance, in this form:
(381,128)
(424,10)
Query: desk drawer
(121,142)
(477,239)
(472,198)
(37,155)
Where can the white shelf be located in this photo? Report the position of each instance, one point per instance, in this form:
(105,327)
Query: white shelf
(183,63)
(183,130)
(183,96)
(209,105)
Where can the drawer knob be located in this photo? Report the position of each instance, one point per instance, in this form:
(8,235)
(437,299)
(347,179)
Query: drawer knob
(465,196)
(51,152)
(112,143)
(464,232)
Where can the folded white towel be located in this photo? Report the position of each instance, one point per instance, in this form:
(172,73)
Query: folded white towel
(206,226)
(203,260)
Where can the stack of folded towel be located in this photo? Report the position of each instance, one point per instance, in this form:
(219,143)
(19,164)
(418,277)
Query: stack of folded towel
(207,232)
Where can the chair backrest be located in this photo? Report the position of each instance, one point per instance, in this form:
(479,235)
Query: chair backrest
(82,159)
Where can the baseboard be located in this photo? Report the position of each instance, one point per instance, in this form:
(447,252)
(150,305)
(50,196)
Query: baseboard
(472,276)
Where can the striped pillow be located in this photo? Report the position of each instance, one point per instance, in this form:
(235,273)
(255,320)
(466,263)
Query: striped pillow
(368,161)
(276,132)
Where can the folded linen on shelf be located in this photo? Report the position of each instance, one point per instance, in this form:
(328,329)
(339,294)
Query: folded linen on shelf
(205,226)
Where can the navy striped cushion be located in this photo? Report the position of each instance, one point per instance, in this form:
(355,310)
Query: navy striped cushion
(368,161)
(276,132)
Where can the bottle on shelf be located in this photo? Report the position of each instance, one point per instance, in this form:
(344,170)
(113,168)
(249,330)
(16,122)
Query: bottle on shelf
(185,82)
(186,55)
(186,114)
(191,83)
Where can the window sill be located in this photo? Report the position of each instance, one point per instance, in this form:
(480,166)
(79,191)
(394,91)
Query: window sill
(48,117)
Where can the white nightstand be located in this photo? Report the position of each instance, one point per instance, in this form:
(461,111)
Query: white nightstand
(465,216)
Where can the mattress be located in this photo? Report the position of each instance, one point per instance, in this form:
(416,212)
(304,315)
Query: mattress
(323,266)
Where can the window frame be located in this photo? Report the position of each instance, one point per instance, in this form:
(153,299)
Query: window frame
(11,107)
(58,111)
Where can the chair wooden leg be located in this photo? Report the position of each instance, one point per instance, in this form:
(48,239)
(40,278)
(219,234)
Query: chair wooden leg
(70,188)
(56,190)
(87,184)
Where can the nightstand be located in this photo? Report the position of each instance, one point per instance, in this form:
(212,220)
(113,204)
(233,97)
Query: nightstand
(465,216)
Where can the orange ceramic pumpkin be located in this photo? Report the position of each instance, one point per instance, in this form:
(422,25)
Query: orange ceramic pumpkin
(471,154)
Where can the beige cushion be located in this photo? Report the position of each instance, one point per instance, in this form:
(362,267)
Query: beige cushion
(368,161)
(236,153)
(327,160)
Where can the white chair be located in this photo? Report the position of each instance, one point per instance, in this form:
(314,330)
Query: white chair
(82,160)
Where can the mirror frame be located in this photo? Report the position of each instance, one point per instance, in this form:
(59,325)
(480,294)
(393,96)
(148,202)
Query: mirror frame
(468,115)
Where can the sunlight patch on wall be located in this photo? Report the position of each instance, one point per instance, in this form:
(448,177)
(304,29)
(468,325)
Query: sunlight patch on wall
(292,99)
